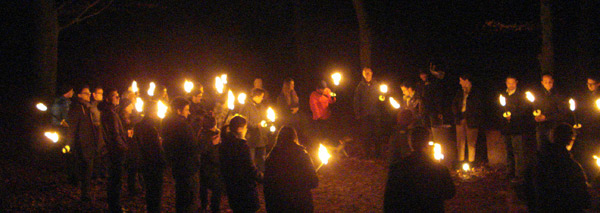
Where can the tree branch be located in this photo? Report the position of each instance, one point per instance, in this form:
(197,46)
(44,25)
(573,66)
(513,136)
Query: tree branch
(82,15)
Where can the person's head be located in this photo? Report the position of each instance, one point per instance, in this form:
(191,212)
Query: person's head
(129,95)
(465,81)
(592,83)
(547,81)
(367,74)
(511,83)
(288,84)
(83,93)
(408,88)
(419,139)
(181,107)
(287,136)
(112,96)
(126,106)
(66,91)
(258,83)
(197,93)
(423,75)
(151,109)
(321,86)
(238,126)
(98,93)
(257,95)
(563,135)
(209,122)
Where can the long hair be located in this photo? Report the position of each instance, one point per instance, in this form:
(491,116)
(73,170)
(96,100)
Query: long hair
(285,137)
(290,95)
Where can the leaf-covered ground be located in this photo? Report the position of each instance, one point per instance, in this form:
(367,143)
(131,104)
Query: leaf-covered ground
(36,183)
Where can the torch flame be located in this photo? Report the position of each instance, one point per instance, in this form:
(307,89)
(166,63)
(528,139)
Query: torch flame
(139,104)
(151,89)
(530,96)
(572,104)
(134,87)
(219,85)
(273,129)
(162,109)
(324,154)
(230,100)
(66,149)
(242,98)
(598,103)
(42,107)
(263,123)
(188,86)
(224,78)
(466,167)
(394,103)
(53,136)
(597,160)
(437,151)
(271,114)
(383,88)
(337,77)
(502,100)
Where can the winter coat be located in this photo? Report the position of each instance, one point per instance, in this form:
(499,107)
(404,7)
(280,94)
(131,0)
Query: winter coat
(473,113)
(289,177)
(239,174)
(146,134)
(417,184)
(209,158)
(521,114)
(319,104)
(588,116)
(60,110)
(553,105)
(115,135)
(366,99)
(180,145)
(254,114)
(82,134)
(197,113)
(556,182)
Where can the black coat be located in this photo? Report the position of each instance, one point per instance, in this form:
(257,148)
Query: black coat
(180,145)
(115,135)
(588,115)
(366,99)
(289,177)
(146,134)
(239,174)
(553,105)
(473,113)
(521,114)
(82,133)
(417,184)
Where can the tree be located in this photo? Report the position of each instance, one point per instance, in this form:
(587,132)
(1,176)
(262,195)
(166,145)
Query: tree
(546,57)
(365,34)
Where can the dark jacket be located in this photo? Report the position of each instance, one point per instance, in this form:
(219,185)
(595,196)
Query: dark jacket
(239,174)
(553,105)
(146,134)
(473,112)
(366,99)
(209,157)
(289,177)
(115,135)
(82,134)
(415,106)
(180,145)
(556,182)
(417,184)
(520,111)
(431,94)
(588,115)
(254,114)
(197,113)
(60,110)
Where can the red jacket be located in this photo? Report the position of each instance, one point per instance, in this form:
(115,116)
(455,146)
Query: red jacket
(319,104)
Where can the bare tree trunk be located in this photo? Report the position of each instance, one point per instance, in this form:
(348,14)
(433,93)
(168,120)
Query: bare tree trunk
(45,60)
(365,34)
(584,35)
(547,56)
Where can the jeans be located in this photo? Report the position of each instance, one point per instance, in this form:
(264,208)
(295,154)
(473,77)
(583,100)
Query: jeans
(185,193)
(516,155)
(153,178)
(468,136)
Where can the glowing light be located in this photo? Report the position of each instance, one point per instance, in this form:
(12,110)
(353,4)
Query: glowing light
(162,109)
(466,167)
(506,114)
(437,152)
(219,85)
(134,87)
(394,103)
(381,97)
(598,103)
(263,123)
(242,98)
(230,100)
(324,154)
(572,104)
(53,136)
(337,77)
(431,143)
(271,114)
(537,112)
(139,104)
(383,88)
(597,160)
(530,96)
(151,89)
(273,129)
(41,107)
(224,78)
(502,100)
(66,149)
(188,86)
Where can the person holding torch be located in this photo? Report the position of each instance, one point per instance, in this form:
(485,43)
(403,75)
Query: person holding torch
(254,113)
(319,105)
(552,109)
(368,113)
(589,134)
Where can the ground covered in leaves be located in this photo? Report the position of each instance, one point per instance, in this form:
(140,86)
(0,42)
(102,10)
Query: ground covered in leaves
(36,183)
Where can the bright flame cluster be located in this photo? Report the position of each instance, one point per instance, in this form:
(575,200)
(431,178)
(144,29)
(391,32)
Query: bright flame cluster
(230,100)
(324,154)
(134,87)
(337,77)
(242,98)
(188,86)
(530,96)
(139,104)
(572,104)
(597,160)
(271,114)
(162,109)
(394,103)
(151,89)
(53,136)
(219,85)
(42,107)
(466,167)
(502,100)
(383,88)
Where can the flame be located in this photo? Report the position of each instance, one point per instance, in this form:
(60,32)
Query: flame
(66,149)
(53,136)
(394,103)
(139,104)
(242,98)
(324,154)
(151,89)
(263,123)
(383,88)
(162,109)
(530,96)
(572,104)
(597,160)
(466,167)
(598,103)
(188,86)
(437,151)
(42,107)
(219,85)
(230,100)
(502,100)
(134,87)
(271,114)
(224,78)
(272,129)
(337,77)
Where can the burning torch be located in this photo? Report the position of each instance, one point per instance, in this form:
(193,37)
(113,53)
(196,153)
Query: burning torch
(572,108)
(506,114)
(383,88)
(531,99)
(323,156)
(188,86)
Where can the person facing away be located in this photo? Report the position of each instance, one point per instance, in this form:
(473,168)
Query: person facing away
(418,183)
(468,116)
(152,159)
(239,173)
(210,174)
(182,150)
(556,182)
(255,114)
(289,175)
(60,107)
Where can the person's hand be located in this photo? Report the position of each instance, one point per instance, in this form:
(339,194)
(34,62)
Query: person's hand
(216,140)
(295,110)
(540,118)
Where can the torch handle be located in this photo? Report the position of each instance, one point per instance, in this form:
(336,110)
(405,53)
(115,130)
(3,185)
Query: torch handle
(317,170)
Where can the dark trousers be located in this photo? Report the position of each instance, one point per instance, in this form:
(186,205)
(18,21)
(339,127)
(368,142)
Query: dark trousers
(133,174)
(113,191)
(257,155)
(153,179)
(370,136)
(85,170)
(216,188)
(542,134)
(185,192)
(517,155)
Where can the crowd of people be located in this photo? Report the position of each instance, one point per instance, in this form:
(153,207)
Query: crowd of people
(210,149)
